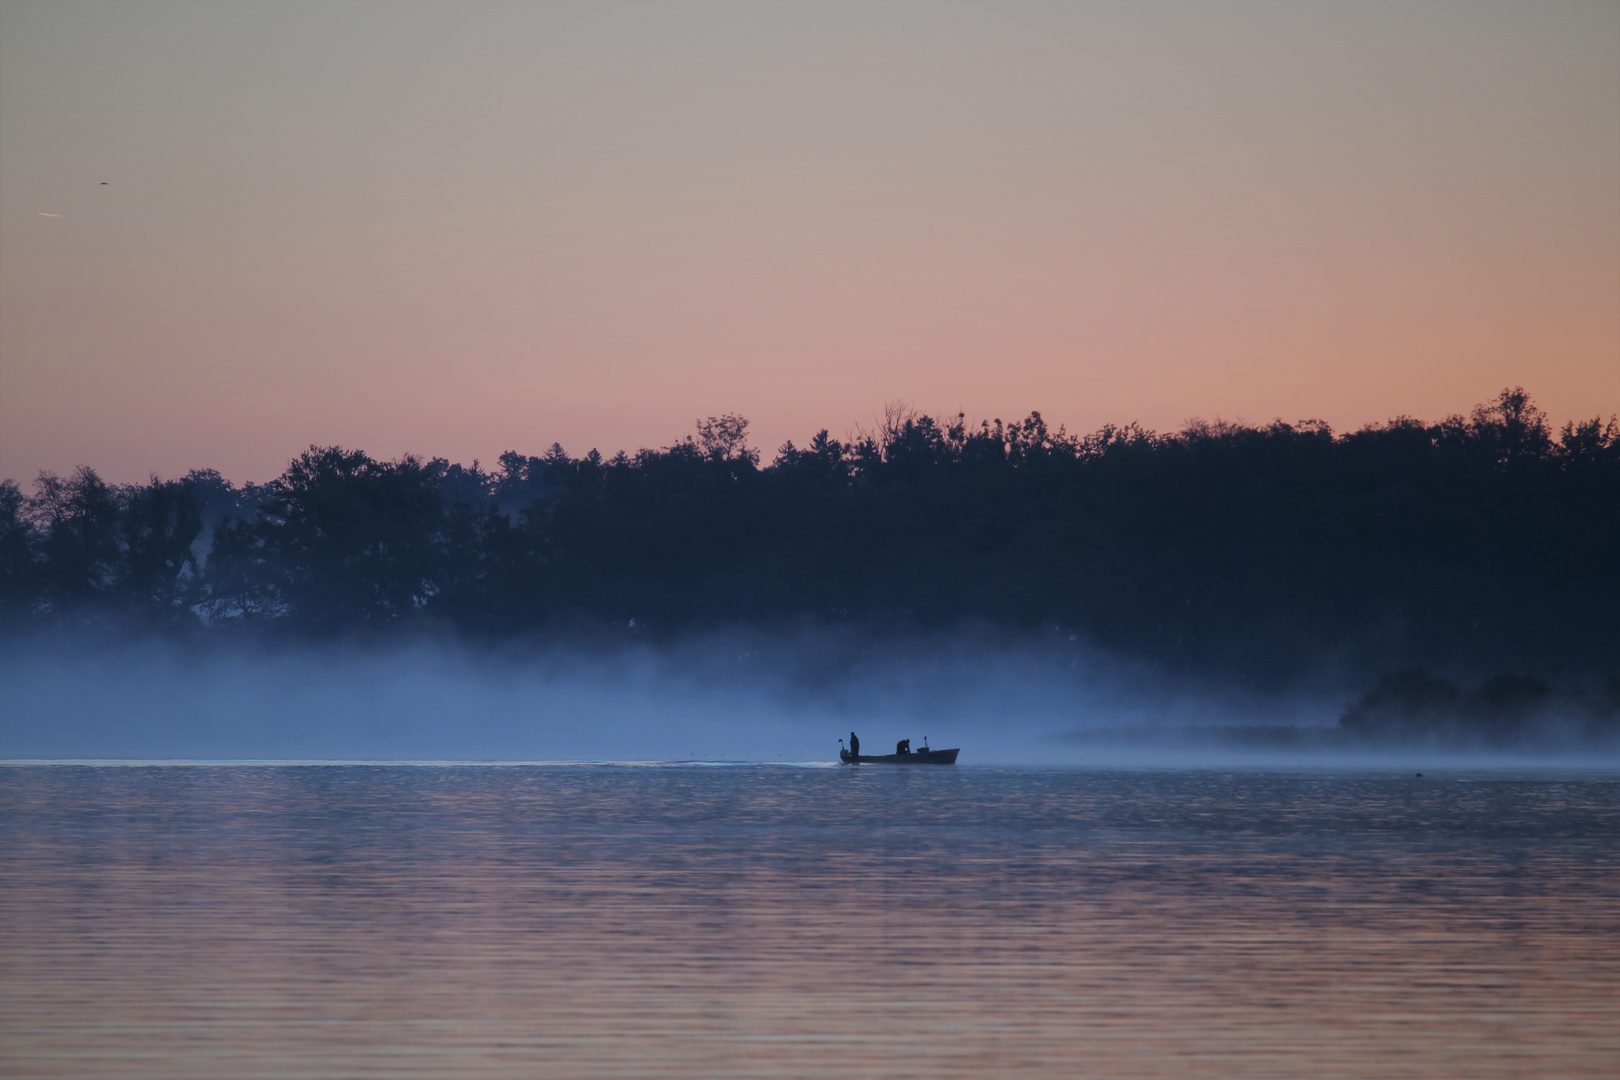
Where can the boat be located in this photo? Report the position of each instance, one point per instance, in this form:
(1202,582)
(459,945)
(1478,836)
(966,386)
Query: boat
(924,756)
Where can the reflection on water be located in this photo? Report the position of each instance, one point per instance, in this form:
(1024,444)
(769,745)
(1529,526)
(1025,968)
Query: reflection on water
(772,921)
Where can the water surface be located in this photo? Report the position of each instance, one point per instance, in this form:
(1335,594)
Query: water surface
(754,921)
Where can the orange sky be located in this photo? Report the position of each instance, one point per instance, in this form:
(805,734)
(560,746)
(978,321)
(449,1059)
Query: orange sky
(457,229)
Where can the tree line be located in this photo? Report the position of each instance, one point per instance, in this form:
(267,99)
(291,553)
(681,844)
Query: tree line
(1505,711)
(1486,540)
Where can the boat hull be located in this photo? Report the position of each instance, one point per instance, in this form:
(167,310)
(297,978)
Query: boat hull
(916,757)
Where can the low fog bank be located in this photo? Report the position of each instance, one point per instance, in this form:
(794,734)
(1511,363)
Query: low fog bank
(740,697)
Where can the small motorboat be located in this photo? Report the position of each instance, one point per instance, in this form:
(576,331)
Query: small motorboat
(924,756)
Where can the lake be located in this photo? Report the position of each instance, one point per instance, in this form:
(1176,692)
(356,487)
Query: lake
(782,921)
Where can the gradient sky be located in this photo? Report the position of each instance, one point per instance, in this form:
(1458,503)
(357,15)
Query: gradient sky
(460,228)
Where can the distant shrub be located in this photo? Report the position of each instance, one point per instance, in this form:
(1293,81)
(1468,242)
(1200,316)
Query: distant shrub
(1507,710)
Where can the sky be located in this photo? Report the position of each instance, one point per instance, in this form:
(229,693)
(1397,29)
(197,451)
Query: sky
(232,230)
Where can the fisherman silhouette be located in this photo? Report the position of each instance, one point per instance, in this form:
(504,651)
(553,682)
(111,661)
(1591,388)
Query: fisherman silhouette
(854,745)
(903,746)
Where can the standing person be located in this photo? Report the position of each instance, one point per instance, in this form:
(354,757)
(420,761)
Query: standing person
(854,746)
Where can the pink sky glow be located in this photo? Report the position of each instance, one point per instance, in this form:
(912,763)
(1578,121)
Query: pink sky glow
(457,229)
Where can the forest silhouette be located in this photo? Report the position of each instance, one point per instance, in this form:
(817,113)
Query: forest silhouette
(1481,543)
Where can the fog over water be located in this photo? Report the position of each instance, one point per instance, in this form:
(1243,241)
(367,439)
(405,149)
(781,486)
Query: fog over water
(1211,883)
(741,697)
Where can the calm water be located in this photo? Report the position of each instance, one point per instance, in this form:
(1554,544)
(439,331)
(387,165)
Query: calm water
(792,922)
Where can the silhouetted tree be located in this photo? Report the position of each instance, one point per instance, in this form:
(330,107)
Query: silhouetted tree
(722,438)
(77,521)
(160,522)
(17,543)
(1479,542)
(340,541)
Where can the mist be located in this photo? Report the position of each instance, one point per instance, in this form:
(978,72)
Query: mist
(741,697)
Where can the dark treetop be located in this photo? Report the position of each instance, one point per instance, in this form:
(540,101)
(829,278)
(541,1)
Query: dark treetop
(1485,541)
